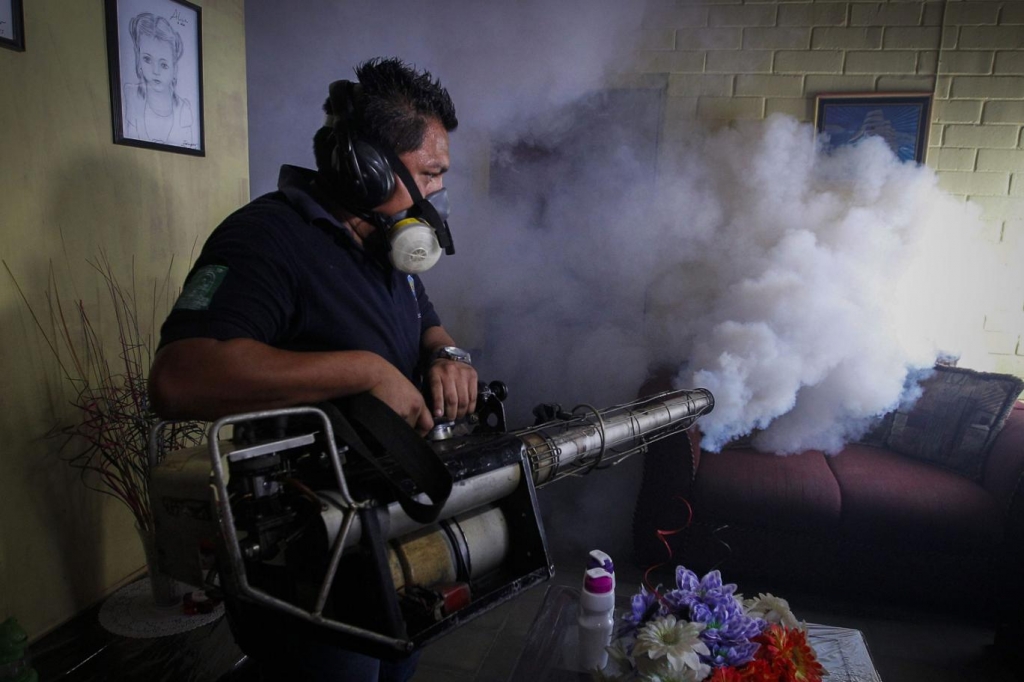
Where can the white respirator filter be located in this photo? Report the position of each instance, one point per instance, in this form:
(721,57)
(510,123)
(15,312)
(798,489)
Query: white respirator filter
(414,246)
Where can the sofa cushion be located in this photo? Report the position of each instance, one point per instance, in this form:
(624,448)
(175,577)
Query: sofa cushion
(1004,466)
(796,492)
(955,421)
(889,498)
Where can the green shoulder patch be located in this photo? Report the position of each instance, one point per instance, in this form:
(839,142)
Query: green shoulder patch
(199,289)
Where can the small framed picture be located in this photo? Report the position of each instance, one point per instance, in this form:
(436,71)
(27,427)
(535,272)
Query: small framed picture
(901,119)
(155,53)
(12,25)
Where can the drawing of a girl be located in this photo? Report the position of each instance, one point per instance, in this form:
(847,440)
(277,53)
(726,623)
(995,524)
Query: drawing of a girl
(153,110)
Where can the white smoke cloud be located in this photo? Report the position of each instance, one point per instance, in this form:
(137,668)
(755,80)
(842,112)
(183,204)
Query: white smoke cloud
(832,278)
(800,288)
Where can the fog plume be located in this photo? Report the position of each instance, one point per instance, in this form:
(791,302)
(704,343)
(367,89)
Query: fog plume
(821,282)
(801,288)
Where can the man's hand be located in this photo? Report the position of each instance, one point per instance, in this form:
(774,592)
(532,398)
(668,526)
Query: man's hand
(398,393)
(453,387)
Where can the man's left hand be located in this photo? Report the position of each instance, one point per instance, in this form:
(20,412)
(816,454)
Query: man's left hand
(453,387)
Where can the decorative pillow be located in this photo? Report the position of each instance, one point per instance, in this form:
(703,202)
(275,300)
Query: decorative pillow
(742,442)
(955,421)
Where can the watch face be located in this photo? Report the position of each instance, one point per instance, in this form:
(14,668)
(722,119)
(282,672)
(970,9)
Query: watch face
(453,353)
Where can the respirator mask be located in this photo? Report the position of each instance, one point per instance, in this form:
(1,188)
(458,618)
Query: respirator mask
(417,235)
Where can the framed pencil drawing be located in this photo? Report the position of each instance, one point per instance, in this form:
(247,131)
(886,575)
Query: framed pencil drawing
(155,55)
(12,25)
(901,119)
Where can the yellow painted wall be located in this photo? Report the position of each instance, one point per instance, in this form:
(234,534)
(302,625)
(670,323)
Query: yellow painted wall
(68,193)
(732,60)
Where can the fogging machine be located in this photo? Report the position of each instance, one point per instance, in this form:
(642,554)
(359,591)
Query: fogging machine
(294,524)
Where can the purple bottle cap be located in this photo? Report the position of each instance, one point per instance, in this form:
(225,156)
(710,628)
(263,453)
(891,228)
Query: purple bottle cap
(598,581)
(598,559)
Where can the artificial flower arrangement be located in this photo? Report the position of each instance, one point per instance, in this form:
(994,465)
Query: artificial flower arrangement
(703,630)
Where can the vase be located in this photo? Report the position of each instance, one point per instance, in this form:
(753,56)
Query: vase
(166,590)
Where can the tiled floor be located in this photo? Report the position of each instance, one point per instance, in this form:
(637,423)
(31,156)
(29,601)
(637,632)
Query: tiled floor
(906,645)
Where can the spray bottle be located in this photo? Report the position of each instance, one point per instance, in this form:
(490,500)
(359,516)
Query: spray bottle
(596,618)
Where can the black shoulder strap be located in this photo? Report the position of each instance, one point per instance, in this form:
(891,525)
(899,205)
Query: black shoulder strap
(398,441)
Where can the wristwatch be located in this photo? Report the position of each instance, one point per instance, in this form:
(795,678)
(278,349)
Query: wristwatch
(452,353)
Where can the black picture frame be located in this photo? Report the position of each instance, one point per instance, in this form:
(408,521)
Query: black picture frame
(12,25)
(155,57)
(902,119)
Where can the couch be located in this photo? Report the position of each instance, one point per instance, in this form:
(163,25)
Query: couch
(906,514)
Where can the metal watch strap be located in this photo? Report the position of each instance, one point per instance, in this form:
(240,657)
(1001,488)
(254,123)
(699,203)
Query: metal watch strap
(452,353)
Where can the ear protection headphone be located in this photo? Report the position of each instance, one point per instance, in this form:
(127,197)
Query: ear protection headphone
(365,176)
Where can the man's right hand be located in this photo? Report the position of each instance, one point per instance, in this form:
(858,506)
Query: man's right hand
(398,393)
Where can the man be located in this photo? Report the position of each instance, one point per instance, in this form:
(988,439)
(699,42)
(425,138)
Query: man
(298,298)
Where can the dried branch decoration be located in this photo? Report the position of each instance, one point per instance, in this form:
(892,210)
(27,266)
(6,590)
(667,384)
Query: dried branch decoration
(108,443)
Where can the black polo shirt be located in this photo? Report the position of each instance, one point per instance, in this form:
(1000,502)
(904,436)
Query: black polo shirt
(283,271)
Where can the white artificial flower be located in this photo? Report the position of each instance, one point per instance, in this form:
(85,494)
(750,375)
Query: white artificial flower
(619,664)
(677,641)
(772,609)
(684,675)
(618,650)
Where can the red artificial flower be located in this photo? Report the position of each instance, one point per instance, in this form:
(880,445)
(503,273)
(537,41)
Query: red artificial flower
(730,674)
(789,655)
(755,671)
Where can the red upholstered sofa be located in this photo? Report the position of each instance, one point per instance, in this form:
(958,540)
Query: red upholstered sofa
(867,522)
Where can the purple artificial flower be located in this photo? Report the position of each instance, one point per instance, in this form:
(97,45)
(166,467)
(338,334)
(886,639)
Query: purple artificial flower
(643,607)
(701,613)
(731,655)
(686,579)
(708,589)
(677,603)
(726,622)
(728,629)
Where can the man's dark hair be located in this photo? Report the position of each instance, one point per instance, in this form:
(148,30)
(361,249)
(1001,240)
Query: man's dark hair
(396,103)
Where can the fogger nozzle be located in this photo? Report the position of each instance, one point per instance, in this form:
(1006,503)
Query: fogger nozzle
(597,438)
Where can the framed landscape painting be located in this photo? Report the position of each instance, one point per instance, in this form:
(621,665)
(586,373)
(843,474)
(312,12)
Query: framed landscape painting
(12,31)
(155,54)
(901,119)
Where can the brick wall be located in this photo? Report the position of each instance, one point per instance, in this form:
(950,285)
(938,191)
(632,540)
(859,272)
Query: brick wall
(729,60)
